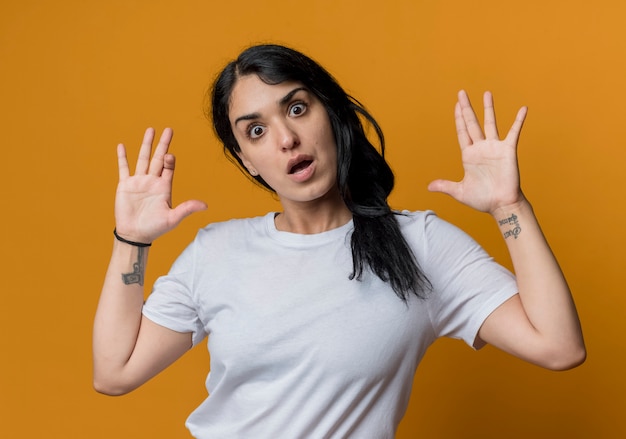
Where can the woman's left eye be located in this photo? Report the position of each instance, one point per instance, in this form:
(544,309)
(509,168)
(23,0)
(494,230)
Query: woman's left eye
(297,109)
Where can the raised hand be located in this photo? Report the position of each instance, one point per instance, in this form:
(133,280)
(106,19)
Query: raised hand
(143,203)
(491,180)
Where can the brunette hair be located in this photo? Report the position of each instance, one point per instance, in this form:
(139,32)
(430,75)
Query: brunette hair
(364,178)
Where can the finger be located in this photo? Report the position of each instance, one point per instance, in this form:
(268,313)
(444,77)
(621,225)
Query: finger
(515,130)
(145,151)
(169,163)
(185,209)
(157,162)
(491,128)
(461,128)
(471,121)
(445,186)
(122,162)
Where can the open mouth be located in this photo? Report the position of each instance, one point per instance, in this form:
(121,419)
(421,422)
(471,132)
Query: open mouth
(300,166)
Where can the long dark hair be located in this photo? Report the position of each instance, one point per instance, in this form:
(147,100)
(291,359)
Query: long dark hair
(364,178)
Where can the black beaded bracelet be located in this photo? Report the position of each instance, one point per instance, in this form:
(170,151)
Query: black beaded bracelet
(136,244)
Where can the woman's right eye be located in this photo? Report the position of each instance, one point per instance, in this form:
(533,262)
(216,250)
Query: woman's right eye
(255,131)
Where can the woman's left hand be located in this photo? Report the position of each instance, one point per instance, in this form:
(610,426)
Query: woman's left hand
(540,324)
(491,179)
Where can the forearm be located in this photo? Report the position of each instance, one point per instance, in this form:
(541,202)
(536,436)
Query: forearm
(118,317)
(129,349)
(543,290)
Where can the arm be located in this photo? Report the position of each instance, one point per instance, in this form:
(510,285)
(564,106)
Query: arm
(540,324)
(129,349)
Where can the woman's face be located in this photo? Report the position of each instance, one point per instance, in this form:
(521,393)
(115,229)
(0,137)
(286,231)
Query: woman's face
(285,136)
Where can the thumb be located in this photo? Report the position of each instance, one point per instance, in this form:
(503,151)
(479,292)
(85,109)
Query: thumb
(444,186)
(186,208)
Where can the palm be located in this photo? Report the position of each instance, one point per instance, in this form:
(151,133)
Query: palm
(491,178)
(143,203)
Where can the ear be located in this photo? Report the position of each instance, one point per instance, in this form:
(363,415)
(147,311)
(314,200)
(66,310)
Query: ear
(247,164)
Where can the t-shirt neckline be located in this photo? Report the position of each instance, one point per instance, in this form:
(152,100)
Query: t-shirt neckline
(304,239)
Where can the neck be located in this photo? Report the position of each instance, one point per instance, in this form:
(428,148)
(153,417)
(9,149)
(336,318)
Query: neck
(313,217)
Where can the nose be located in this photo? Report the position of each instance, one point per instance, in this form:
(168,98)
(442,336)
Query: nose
(287,137)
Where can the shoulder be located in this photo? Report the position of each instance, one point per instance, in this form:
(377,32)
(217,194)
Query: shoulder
(435,241)
(221,237)
(424,224)
(234,228)
(413,218)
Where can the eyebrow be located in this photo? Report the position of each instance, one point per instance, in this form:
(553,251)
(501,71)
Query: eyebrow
(281,102)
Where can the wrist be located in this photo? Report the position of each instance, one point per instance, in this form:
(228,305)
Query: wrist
(509,218)
(129,241)
(506,209)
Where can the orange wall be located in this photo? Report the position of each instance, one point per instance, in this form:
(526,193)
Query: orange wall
(76,77)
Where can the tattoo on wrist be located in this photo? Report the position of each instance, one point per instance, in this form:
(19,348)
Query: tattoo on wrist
(515,229)
(136,277)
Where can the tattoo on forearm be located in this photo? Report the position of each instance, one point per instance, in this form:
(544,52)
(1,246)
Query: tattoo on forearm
(514,223)
(136,277)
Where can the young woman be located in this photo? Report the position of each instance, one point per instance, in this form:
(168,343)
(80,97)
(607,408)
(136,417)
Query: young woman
(317,316)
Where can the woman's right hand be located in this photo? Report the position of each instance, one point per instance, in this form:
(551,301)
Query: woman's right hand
(143,202)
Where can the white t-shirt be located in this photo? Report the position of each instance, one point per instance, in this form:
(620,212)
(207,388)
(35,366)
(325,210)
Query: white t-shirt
(298,350)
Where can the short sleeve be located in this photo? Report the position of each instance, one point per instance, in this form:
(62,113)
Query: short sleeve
(171,303)
(468,285)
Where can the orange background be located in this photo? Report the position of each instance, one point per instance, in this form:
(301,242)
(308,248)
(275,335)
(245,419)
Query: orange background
(77,77)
